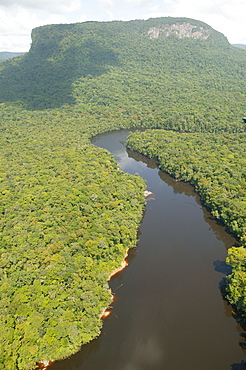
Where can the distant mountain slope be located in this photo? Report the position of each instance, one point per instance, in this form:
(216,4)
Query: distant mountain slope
(242,46)
(8,54)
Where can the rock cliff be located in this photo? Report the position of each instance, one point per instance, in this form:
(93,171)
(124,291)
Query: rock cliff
(180,30)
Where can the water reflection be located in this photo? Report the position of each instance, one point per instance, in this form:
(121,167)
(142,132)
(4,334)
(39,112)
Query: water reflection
(221,266)
(180,187)
(241,366)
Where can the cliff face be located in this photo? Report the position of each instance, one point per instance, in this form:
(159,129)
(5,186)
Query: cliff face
(179,30)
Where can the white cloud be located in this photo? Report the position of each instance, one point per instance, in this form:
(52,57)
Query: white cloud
(15,28)
(138,2)
(223,15)
(58,6)
(19,17)
(16,24)
(107,3)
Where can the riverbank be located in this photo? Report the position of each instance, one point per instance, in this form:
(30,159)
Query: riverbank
(107,311)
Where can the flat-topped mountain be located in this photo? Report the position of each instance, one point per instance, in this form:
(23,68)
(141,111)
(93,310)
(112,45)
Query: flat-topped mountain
(179,51)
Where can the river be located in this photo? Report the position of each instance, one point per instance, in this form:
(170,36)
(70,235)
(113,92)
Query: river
(168,313)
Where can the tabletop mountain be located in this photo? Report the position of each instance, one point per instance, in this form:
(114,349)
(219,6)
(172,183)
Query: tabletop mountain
(183,58)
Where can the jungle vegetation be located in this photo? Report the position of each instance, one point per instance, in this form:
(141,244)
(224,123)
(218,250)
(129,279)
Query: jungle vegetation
(68,214)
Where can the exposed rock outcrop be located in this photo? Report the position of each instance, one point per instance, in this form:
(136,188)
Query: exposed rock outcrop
(180,30)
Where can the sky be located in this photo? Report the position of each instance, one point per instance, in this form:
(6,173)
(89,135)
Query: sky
(19,17)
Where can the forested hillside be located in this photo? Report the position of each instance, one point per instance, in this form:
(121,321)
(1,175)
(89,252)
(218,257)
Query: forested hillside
(68,214)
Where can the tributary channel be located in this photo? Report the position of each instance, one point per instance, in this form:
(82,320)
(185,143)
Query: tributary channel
(168,313)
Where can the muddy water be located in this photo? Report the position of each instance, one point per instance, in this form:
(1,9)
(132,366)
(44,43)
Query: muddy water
(168,312)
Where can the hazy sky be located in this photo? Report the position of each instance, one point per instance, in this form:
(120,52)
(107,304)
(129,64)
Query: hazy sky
(19,17)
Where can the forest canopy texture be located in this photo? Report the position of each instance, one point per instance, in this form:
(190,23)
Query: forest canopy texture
(68,214)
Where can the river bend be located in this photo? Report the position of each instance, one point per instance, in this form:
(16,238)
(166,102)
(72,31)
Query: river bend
(168,313)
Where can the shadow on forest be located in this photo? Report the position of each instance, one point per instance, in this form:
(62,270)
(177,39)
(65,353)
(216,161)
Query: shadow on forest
(43,77)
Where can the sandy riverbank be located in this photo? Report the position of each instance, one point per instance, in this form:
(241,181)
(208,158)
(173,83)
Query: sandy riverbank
(107,311)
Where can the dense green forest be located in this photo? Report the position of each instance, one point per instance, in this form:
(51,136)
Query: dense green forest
(68,217)
(68,214)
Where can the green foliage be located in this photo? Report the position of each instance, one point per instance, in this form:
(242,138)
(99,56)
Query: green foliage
(42,78)
(236,283)
(68,217)
(68,214)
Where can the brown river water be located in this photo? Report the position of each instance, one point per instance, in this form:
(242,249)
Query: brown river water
(168,312)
